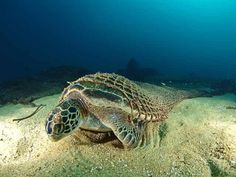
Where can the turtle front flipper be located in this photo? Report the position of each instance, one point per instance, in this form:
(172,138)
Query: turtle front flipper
(126,130)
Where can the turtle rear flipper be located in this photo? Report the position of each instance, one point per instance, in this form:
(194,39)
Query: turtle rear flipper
(126,130)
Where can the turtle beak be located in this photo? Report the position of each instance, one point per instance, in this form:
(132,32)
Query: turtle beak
(55,138)
(57,132)
(55,128)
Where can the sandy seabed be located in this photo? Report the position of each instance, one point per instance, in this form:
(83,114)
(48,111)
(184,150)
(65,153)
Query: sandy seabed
(198,139)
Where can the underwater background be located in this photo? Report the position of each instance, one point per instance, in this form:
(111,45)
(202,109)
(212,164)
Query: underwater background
(177,56)
(180,37)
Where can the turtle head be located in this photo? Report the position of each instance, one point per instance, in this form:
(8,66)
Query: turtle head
(64,119)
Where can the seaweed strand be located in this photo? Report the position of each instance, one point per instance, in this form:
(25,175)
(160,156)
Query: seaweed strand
(39,107)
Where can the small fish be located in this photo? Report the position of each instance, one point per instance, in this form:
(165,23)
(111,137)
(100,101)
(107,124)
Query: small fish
(162,83)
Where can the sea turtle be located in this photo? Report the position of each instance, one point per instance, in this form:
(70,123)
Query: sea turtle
(105,102)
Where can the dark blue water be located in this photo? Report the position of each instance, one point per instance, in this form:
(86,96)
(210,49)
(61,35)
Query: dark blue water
(177,37)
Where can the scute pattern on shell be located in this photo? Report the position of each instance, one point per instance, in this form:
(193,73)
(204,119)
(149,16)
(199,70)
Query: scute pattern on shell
(142,106)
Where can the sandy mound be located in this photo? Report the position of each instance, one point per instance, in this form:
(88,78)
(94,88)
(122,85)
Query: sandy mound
(198,139)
